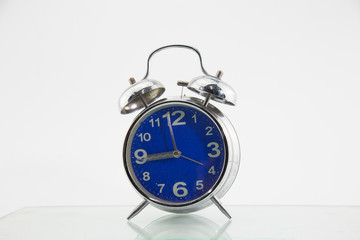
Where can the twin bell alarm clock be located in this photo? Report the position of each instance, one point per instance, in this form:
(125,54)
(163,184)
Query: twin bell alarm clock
(181,154)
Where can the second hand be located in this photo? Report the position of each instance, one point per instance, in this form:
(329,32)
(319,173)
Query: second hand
(191,160)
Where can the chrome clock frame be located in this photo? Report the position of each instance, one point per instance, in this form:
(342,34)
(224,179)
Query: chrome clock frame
(226,179)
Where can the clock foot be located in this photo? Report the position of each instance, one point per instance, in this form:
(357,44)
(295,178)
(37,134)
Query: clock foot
(138,209)
(221,207)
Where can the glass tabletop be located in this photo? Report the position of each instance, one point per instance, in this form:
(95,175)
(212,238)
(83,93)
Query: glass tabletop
(248,223)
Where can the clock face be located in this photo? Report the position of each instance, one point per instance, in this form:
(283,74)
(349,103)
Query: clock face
(175,153)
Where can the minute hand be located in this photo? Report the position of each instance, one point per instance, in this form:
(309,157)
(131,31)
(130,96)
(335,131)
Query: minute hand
(171,131)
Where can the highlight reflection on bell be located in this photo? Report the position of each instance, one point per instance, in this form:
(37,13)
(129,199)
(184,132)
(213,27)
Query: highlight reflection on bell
(140,94)
(211,86)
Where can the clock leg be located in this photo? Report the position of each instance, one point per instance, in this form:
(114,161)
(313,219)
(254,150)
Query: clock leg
(221,207)
(138,209)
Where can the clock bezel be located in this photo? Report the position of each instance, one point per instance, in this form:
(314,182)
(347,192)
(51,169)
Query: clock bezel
(231,161)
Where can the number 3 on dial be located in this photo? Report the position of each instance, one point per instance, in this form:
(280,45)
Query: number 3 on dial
(214,149)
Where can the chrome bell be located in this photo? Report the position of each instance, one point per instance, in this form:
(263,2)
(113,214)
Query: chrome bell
(213,89)
(139,95)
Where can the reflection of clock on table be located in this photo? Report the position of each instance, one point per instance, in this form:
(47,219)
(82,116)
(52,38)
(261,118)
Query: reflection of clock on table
(181,154)
(189,226)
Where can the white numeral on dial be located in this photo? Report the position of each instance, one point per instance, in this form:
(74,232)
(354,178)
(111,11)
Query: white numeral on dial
(177,121)
(212,170)
(214,149)
(140,159)
(145,137)
(194,117)
(199,184)
(180,191)
(146,176)
(161,185)
(153,122)
(209,131)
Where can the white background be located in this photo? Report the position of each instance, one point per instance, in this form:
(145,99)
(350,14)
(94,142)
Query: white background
(294,65)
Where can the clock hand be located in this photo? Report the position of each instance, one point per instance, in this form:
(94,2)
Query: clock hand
(171,131)
(159,156)
(192,160)
(156,156)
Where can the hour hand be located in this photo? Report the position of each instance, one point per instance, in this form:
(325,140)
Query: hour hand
(160,156)
(155,156)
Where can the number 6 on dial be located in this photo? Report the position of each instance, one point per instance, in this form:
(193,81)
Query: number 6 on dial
(180,191)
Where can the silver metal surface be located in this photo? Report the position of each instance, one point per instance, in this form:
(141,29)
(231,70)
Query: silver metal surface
(220,207)
(138,209)
(174,46)
(207,99)
(228,173)
(143,93)
(219,74)
(139,95)
(182,83)
(213,88)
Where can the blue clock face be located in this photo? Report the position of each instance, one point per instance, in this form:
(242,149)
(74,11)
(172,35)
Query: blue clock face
(175,153)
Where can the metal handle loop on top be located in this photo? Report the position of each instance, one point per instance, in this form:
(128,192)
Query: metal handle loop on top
(175,46)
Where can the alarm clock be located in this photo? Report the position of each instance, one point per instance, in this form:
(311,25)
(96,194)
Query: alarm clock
(181,154)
